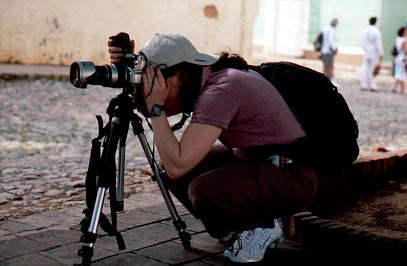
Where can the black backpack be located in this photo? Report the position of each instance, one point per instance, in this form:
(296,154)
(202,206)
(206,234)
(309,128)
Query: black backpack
(318,41)
(331,129)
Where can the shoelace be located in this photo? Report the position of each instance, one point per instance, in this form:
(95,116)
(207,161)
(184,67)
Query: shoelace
(239,241)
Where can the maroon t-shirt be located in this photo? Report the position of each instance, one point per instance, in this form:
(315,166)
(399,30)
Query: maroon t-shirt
(247,107)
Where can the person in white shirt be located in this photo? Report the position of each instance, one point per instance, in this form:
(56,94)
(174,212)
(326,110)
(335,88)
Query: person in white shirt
(400,61)
(373,54)
(329,50)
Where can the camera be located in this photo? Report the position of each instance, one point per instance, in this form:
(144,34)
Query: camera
(126,74)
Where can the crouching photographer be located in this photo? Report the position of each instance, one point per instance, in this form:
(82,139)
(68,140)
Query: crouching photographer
(237,187)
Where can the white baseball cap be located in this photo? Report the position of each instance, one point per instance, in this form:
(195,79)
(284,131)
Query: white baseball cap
(169,49)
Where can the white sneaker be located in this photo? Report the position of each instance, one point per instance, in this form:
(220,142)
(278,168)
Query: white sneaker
(251,245)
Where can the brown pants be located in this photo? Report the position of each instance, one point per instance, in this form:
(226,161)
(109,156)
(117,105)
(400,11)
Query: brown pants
(231,195)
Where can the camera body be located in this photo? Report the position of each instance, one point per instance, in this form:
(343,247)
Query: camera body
(126,74)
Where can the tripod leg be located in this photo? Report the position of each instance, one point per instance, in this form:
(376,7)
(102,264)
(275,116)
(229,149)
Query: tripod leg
(97,210)
(105,180)
(89,238)
(121,162)
(120,177)
(177,221)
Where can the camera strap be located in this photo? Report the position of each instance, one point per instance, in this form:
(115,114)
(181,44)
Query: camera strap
(181,123)
(177,125)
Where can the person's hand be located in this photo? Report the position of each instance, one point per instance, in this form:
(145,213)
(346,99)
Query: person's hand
(155,89)
(116,53)
(376,70)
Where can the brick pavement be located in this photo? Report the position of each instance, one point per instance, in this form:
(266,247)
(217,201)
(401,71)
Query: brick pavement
(52,237)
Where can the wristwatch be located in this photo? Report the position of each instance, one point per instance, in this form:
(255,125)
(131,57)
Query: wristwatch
(156,110)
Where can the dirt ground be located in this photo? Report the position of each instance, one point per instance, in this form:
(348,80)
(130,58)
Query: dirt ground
(382,212)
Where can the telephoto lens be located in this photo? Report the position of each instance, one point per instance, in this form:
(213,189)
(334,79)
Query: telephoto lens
(83,73)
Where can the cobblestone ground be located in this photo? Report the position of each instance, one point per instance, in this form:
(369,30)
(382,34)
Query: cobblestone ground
(47,126)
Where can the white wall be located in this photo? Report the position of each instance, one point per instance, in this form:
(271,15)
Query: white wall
(282,26)
(63,31)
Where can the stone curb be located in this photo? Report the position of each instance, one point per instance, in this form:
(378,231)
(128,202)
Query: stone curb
(329,240)
(365,174)
(324,239)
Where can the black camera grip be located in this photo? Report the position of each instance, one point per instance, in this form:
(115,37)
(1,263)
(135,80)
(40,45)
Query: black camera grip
(122,40)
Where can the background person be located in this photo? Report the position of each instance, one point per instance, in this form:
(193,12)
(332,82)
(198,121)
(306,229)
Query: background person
(400,60)
(373,54)
(329,50)
(234,186)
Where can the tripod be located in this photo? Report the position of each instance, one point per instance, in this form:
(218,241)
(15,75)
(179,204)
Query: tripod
(102,170)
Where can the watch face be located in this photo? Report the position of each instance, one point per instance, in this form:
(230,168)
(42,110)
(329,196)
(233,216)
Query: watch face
(156,110)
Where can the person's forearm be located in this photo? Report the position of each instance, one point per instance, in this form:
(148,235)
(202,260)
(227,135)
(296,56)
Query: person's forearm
(168,146)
